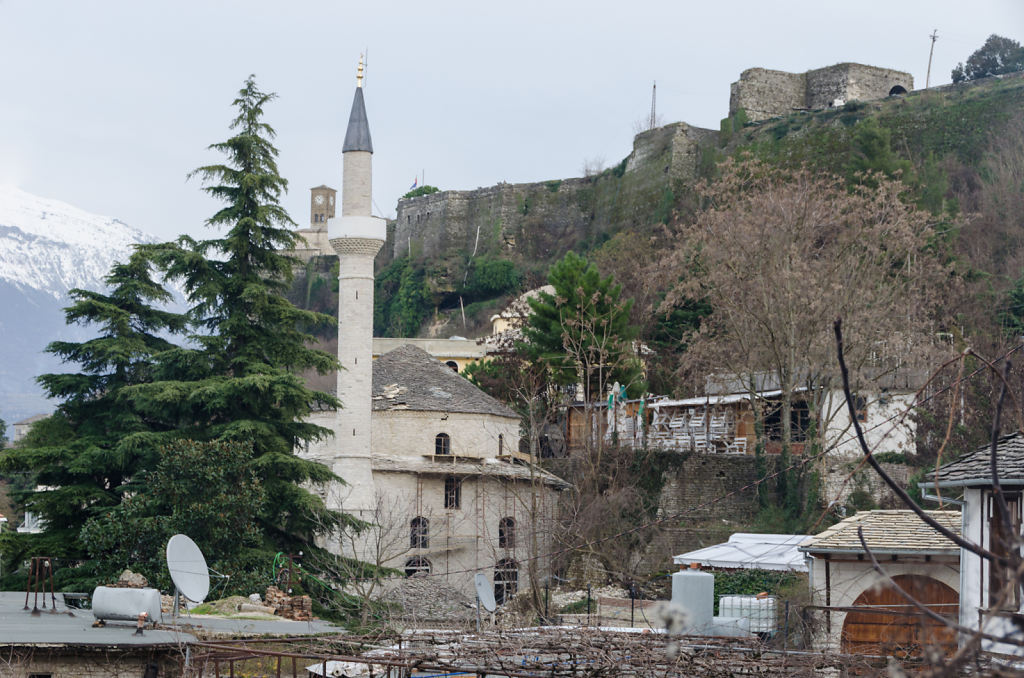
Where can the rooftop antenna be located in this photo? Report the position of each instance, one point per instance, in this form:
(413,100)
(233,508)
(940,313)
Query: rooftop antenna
(928,77)
(188,570)
(654,100)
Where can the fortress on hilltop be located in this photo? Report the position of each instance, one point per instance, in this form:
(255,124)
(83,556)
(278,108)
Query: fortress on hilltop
(540,219)
(764,93)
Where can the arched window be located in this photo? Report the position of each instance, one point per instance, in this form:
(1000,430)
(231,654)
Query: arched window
(501,444)
(452,492)
(419,533)
(417,566)
(506,580)
(507,533)
(452,364)
(442,444)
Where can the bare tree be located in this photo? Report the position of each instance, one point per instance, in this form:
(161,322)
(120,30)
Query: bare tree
(777,253)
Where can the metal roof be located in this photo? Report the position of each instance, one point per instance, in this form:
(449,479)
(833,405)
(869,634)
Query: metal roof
(357,136)
(974,468)
(890,532)
(751,552)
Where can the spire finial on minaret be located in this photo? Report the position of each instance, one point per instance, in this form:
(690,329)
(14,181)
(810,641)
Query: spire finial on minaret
(359,72)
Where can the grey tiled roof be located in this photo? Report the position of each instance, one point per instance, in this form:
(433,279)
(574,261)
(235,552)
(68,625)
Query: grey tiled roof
(409,378)
(974,468)
(357,136)
(889,532)
(493,468)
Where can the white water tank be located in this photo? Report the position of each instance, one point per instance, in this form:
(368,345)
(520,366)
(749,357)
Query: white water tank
(125,604)
(694,592)
(760,610)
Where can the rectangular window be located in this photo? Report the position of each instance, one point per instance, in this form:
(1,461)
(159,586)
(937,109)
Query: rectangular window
(1000,543)
(452,492)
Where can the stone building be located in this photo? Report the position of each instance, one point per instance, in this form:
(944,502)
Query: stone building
(314,239)
(431,462)
(764,93)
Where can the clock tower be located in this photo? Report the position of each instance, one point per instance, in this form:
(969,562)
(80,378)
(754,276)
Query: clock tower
(321,207)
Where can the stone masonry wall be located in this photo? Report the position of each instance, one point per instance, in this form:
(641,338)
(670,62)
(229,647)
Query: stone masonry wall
(543,219)
(765,93)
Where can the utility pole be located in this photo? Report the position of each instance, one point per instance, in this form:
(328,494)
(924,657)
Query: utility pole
(928,78)
(654,99)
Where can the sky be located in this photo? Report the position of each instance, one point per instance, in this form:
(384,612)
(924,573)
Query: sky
(109,104)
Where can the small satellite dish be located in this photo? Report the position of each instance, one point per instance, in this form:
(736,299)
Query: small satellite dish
(484,593)
(188,568)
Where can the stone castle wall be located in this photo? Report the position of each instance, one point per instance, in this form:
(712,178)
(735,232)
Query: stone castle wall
(532,220)
(764,93)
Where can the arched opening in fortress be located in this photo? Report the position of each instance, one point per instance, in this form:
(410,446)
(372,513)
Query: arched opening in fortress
(897,90)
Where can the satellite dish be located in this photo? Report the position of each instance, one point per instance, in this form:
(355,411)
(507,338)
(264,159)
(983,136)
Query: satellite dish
(188,568)
(484,593)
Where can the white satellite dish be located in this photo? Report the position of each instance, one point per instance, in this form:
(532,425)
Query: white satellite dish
(484,593)
(188,568)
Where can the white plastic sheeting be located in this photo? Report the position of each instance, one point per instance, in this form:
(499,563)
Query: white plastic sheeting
(751,552)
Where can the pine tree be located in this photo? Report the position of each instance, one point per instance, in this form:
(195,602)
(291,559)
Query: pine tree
(582,332)
(90,452)
(241,379)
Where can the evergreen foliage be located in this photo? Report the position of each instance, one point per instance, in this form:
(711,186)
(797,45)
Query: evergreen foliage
(997,56)
(582,332)
(90,453)
(239,380)
(489,277)
(236,380)
(401,300)
(208,491)
(871,155)
(422,190)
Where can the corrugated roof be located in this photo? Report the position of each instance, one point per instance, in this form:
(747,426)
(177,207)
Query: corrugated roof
(357,136)
(751,552)
(409,378)
(974,468)
(888,532)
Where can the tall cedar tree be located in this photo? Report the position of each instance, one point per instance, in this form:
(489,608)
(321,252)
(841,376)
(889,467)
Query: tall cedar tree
(241,379)
(582,332)
(87,454)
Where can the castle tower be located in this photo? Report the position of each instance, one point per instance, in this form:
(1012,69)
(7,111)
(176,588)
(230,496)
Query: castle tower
(321,207)
(357,237)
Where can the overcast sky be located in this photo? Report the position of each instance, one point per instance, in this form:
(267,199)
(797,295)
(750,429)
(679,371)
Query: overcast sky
(108,105)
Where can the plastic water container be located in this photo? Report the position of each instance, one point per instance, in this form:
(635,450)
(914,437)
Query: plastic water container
(694,592)
(761,611)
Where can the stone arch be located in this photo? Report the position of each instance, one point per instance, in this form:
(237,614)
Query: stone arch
(417,566)
(893,627)
(897,90)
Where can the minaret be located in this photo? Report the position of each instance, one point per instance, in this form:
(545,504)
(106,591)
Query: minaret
(357,237)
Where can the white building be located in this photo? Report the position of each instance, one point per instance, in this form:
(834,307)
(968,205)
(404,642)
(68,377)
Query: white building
(429,460)
(859,610)
(988,600)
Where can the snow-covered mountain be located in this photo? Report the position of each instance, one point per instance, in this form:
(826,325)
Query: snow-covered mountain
(51,247)
(47,247)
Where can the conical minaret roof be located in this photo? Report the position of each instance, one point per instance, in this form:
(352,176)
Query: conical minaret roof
(357,137)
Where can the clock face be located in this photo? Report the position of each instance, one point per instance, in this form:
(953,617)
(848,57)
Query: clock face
(319,200)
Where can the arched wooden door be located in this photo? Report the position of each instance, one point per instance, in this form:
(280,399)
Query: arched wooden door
(894,626)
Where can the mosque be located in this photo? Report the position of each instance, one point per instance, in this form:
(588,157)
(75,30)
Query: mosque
(429,460)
